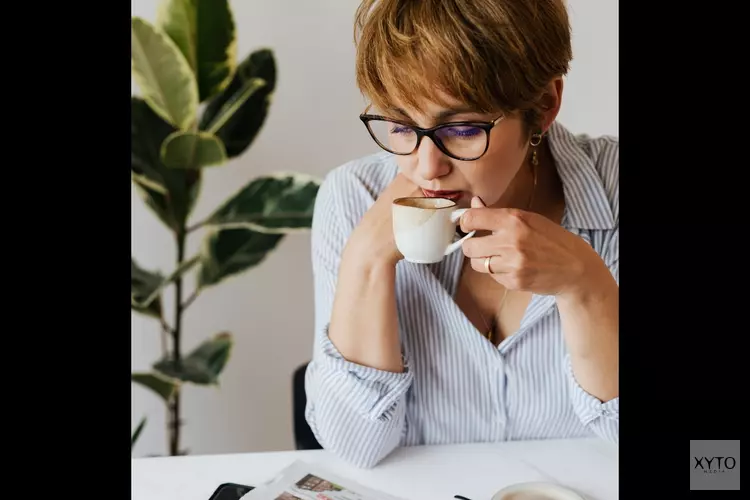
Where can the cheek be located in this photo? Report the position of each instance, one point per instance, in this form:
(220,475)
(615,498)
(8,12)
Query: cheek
(407,165)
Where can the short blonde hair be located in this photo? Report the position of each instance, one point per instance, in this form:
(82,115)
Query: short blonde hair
(493,55)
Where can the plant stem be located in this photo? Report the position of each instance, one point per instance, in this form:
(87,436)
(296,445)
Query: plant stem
(174,407)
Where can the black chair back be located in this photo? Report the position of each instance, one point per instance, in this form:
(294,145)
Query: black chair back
(303,436)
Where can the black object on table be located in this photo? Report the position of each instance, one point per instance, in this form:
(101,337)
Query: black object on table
(231,491)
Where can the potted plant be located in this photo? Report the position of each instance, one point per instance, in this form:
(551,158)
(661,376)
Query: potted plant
(199,108)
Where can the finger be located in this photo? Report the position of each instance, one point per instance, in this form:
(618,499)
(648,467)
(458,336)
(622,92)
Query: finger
(492,219)
(497,265)
(479,219)
(482,246)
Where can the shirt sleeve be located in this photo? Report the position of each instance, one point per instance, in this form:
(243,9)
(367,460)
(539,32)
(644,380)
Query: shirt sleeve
(603,418)
(354,411)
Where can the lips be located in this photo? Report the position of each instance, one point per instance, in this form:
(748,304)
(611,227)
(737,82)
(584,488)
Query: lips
(451,195)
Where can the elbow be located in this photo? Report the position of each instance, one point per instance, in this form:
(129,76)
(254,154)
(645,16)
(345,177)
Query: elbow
(612,436)
(606,429)
(358,421)
(368,463)
(349,448)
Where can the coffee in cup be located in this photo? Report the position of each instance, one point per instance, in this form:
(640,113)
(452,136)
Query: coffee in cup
(425,228)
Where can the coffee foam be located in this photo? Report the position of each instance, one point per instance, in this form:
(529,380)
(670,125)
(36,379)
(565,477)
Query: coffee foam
(425,203)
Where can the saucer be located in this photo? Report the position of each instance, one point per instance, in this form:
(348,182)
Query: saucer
(536,491)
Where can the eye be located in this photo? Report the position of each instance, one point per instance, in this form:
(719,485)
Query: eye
(461,131)
(400,129)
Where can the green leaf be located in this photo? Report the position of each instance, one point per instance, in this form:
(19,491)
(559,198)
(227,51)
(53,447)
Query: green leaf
(238,130)
(163,74)
(277,203)
(259,64)
(162,385)
(137,433)
(228,252)
(170,193)
(203,365)
(178,19)
(142,285)
(156,201)
(217,47)
(205,33)
(235,103)
(192,150)
(147,131)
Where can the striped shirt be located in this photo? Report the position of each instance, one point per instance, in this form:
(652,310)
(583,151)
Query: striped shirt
(457,387)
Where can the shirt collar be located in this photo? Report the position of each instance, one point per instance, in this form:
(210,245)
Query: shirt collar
(586,203)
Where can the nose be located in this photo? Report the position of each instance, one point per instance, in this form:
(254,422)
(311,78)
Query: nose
(431,162)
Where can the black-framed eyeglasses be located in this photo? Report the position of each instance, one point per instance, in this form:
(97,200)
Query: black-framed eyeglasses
(465,140)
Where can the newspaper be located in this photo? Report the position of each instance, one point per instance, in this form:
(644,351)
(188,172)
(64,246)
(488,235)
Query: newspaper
(304,481)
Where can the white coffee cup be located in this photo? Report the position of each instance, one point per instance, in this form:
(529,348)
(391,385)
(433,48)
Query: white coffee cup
(534,490)
(425,228)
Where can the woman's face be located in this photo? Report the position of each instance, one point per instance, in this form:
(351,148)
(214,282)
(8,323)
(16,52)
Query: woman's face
(437,174)
(488,177)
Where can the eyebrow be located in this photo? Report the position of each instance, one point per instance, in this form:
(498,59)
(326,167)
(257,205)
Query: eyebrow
(442,115)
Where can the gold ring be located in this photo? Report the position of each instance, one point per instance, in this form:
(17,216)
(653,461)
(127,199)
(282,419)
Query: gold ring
(487,265)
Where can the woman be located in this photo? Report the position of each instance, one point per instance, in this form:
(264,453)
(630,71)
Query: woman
(516,335)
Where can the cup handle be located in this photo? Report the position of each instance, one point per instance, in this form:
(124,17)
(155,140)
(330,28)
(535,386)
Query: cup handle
(455,217)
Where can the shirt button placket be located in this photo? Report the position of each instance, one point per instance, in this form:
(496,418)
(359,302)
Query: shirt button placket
(499,388)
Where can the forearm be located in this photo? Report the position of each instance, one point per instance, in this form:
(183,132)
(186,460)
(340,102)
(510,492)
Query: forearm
(356,382)
(364,320)
(590,321)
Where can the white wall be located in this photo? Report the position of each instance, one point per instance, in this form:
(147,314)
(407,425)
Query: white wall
(312,127)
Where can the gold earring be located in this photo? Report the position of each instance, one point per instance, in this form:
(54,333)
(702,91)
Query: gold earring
(536,140)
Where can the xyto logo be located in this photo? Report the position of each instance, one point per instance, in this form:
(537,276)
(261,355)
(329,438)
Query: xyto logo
(714,465)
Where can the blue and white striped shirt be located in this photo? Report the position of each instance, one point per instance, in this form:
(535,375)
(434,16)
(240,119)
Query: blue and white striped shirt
(457,387)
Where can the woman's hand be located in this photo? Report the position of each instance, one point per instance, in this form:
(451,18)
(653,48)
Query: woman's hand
(528,251)
(372,240)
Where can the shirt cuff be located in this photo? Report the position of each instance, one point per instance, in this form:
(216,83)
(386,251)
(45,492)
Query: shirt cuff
(589,407)
(373,393)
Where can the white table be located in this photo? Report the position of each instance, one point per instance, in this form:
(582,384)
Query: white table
(476,471)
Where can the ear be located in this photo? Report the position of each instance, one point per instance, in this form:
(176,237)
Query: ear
(551,101)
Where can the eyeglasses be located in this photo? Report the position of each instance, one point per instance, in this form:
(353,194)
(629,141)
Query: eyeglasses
(465,141)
